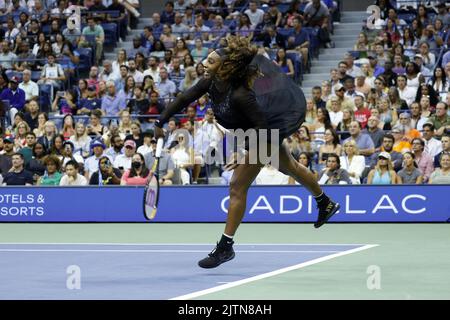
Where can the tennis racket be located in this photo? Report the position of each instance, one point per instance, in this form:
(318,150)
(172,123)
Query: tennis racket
(151,192)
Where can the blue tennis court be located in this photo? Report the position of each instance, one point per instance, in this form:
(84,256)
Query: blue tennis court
(145,271)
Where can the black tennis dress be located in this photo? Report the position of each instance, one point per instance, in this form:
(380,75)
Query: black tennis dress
(274,102)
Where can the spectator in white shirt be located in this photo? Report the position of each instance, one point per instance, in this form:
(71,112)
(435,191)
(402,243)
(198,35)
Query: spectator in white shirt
(91,163)
(30,87)
(123,161)
(271,176)
(432,145)
(255,14)
(72,177)
(406,93)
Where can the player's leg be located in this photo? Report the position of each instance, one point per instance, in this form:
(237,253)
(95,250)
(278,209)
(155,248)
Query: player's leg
(288,165)
(243,176)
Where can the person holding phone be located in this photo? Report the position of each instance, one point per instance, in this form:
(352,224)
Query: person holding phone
(106,175)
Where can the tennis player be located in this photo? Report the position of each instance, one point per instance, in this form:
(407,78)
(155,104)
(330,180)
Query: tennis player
(249,92)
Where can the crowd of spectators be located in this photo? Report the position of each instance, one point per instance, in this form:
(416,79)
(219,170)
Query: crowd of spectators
(381,118)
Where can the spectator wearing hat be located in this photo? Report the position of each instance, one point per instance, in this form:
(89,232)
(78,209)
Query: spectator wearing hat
(6,157)
(166,165)
(106,174)
(52,175)
(383,173)
(432,145)
(14,95)
(17,175)
(92,102)
(91,163)
(424,161)
(30,87)
(123,161)
(345,102)
(409,174)
(71,176)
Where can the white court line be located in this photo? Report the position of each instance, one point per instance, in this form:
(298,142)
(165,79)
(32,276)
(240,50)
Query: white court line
(271,274)
(178,244)
(160,251)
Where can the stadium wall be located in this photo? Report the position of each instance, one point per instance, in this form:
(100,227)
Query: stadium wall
(411,203)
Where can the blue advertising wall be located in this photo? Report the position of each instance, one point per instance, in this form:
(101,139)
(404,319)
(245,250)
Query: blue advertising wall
(412,203)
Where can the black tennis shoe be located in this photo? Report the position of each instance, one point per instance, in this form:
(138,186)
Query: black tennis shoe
(218,256)
(326,212)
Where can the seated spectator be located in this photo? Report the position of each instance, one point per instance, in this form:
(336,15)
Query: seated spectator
(442,175)
(405,125)
(362,113)
(50,132)
(315,12)
(363,140)
(138,174)
(352,161)
(6,156)
(424,161)
(91,163)
(284,63)
(166,87)
(27,150)
(139,104)
(323,122)
(57,145)
(30,87)
(417,120)
(123,161)
(317,97)
(92,102)
(402,142)
(52,175)
(182,156)
(331,146)
(93,29)
(52,73)
(81,140)
(67,155)
(36,164)
(17,175)
(344,126)
(20,135)
(7,56)
(333,174)
(299,40)
(113,102)
(397,104)
(426,90)
(106,173)
(72,177)
(158,50)
(440,120)
(445,149)
(190,79)
(116,147)
(311,112)
(383,173)
(147,145)
(271,176)
(432,145)
(166,165)
(272,39)
(107,74)
(65,102)
(345,102)
(410,174)
(304,159)
(361,85)
(136,134)
(14,95)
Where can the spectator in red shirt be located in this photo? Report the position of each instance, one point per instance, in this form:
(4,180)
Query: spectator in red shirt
(362,113)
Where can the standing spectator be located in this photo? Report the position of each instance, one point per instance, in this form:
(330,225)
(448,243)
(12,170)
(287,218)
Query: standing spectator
(442,174)
(383,173)
(17,175)
(315,12)
(52,175)
(409,174)
(424,161)
(96,31)
(333,173)
(30,87)
(432,145)
(138,174)
(254,13)
(106,173)
(72,177)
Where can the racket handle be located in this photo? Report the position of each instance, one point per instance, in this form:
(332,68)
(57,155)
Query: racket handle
(159,146)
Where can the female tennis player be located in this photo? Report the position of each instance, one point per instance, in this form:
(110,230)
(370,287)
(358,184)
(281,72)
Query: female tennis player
(249,92)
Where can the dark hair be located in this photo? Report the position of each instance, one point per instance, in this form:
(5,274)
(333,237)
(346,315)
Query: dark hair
(73,163)
(412,156)
(308,157)
(429,125)
(389,136)
(326,118)
(31,133)
(51,158)
(53,148)
(18,154)
(236,58)
(422,143)
(144,171)
(334,155)
(44,149)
